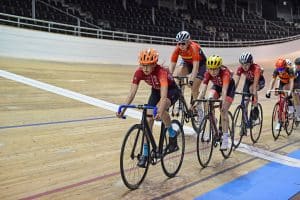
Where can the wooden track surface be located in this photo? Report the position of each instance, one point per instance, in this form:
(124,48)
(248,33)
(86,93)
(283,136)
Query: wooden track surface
(54,147)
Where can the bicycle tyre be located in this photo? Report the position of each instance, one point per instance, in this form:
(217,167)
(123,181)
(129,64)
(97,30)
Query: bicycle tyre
(289,123)
(255,135)
(239,125)
(136,132)
(205,142)
(274,122)
(171,162)
(226,153)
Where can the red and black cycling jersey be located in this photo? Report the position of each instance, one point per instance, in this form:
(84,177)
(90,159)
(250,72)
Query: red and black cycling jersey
(223,78)
(160,77)
(254,70)
(192,53)
(286,76)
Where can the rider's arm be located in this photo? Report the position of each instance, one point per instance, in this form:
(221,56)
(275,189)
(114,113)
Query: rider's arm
(237,80)
(195,70)
(130,97)
(272,83)
(202,92)
(172,67)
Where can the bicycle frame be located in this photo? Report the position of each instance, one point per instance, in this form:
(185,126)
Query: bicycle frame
(146,130)
(282,101)
(245,107)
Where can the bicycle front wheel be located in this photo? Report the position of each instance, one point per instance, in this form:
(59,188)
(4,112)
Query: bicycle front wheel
(226,153)
(171,162)
(131,151)
(276,123)
(256,126)
(205,142)
(239,125)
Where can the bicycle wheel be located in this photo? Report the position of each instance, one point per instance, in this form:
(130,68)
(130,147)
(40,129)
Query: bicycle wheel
(171,162)
(131,150)
(197,117)
(275,121)
(239,125)
(226,153)
(289,121)
(256,126)
(205,142)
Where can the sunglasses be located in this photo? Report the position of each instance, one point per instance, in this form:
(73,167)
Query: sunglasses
(181,43)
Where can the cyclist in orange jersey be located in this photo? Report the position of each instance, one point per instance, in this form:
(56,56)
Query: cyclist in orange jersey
(164,94)
(286,76)
(193,61)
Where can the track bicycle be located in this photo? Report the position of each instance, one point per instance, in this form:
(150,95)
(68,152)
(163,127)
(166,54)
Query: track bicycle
(183,113)
(132,149)
(209,135)
(281,116)
(243,122)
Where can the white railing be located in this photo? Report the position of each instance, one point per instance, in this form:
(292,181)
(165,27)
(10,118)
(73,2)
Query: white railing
(25,22)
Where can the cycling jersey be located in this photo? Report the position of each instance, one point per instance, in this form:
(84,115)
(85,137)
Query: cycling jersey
(285,76)
(253,70)
(158,78)
(192,53)
(224,77)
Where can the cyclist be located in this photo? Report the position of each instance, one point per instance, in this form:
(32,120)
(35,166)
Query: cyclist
(223,85)
(286,76)
(193,61)
(164,94)
(254,80)
(297,86)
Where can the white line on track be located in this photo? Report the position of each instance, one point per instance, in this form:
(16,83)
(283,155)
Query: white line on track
(253,151)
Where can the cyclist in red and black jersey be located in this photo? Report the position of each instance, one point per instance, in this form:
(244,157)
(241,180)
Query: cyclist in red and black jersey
(254,79)
(164,94)
(193,61)
(223,86)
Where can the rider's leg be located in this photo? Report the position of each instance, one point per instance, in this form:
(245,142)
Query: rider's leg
(291,109)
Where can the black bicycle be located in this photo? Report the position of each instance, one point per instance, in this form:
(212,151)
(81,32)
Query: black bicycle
(132,149)
(209,135)
(181,112)
(244,122)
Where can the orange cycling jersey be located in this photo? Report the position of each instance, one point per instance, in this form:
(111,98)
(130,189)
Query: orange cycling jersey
(286,76)
(193,53)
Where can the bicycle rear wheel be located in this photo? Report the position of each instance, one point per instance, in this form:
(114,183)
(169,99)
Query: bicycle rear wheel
(275,121)
(256,126)
(171,162)
(226,153)
(239,125)
(131,151)
(205,142)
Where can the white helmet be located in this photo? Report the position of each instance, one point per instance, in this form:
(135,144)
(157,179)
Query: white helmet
(182,36)
(288,62)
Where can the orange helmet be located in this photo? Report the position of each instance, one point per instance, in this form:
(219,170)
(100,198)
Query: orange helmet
(148,56)
(280,63)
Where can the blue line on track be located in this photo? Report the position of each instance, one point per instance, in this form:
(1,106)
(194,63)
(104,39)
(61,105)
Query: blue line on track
(272,181)
(57,122)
